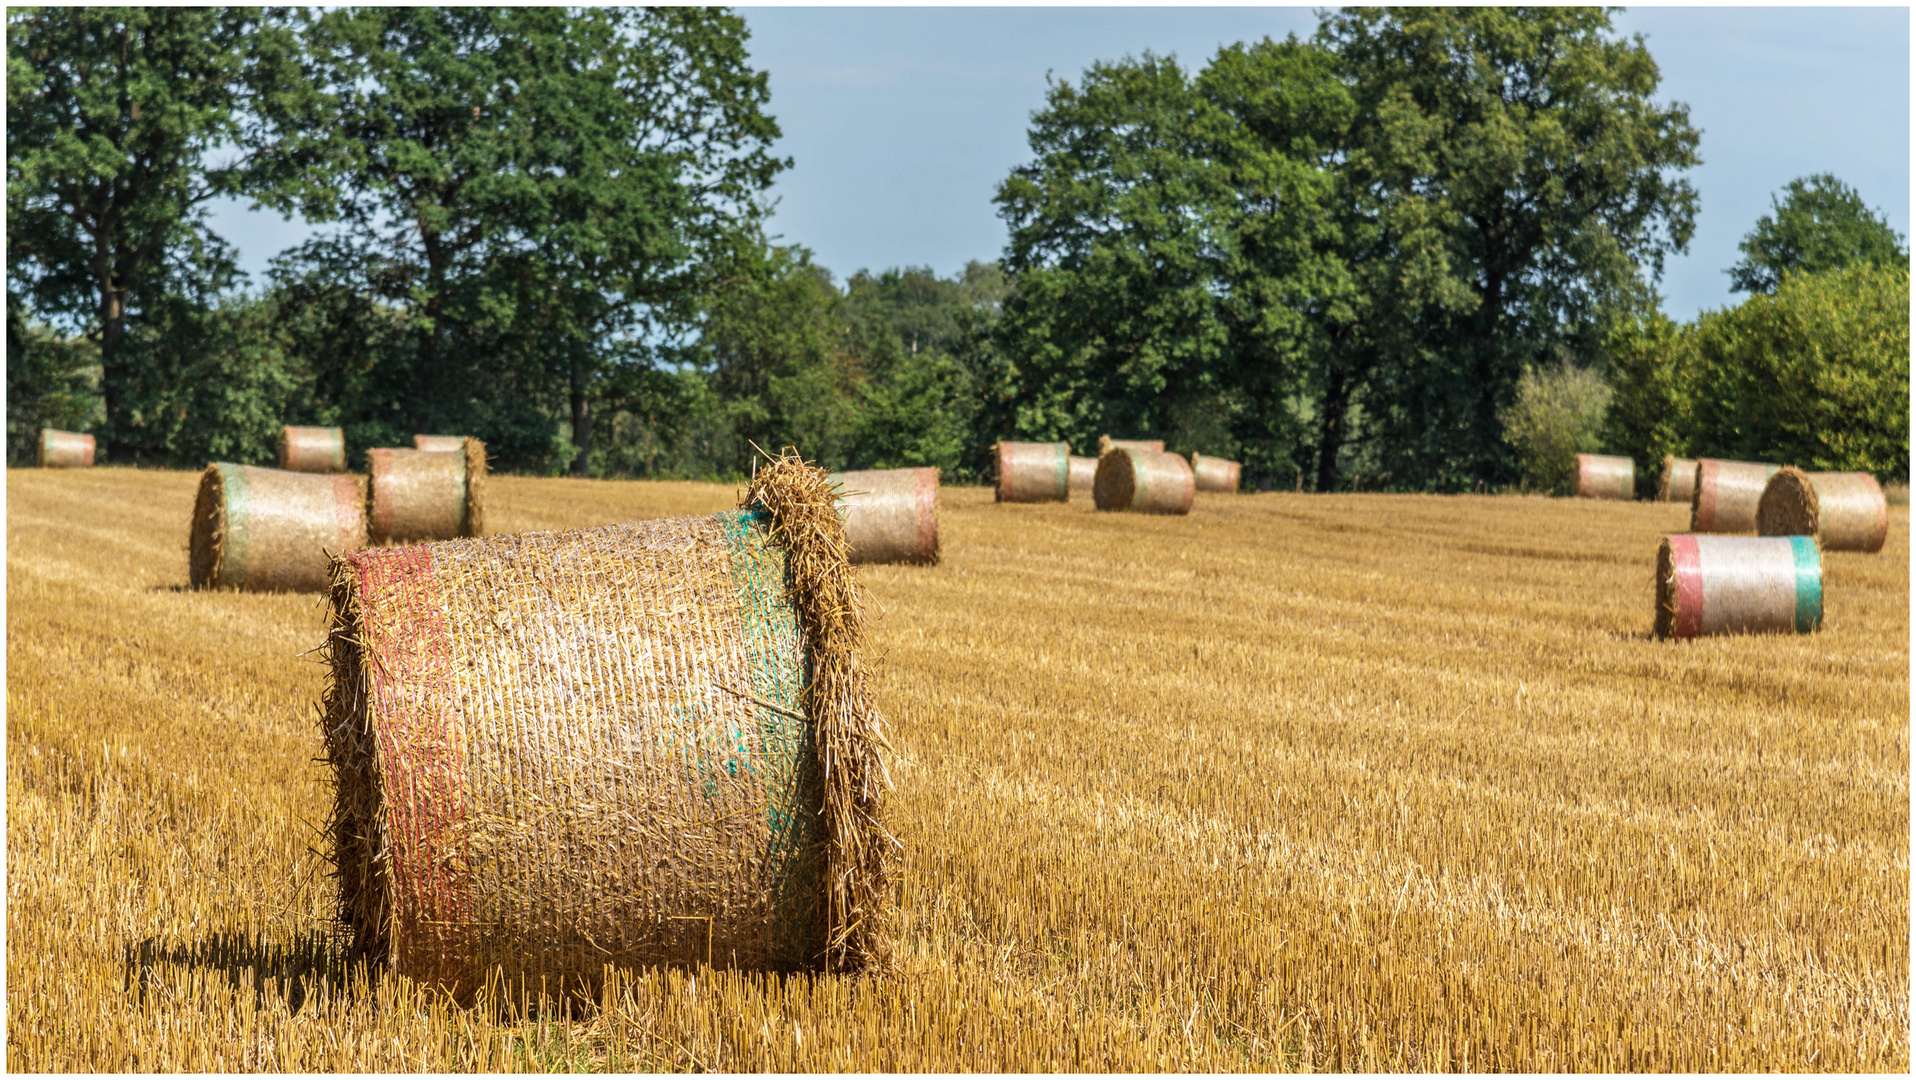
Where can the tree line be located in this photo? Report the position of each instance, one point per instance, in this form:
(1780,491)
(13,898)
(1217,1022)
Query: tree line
(1376,259)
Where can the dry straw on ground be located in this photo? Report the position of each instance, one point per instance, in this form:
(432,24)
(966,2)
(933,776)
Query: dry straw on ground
(1726,495)
(636,744)
(1843,511)
(312,449)
(1106,444)
(1144,481)
(1338,782)
(64,449)
(1676,481)
(1601,476)
(440,443)
(891,515)
(269,530)
(1215,473)
(1738,585)
(1033,472)
(416,495)
(1084,472)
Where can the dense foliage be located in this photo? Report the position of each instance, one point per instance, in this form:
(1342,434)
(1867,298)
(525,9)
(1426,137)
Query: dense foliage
(1334,259)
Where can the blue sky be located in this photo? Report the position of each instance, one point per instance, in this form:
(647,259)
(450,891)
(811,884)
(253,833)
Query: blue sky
(902,121)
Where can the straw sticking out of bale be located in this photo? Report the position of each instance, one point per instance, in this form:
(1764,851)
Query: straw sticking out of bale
(1146,482)
(1843,511)
(1033,472)
(1738,584)
(891,515)
(268,530)
(646,743)
(1726,495)
(1677,480)
(1106,444)
(1084,471)
(419,495)
(312,449)
(65,449)
(1600,476)
(440,443)
(1215,473)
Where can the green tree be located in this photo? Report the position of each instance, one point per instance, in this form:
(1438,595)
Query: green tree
(1651,361)
(1556,414)
(121,124)
(52,381)
(1520,181)
(547,192)
(1820,223)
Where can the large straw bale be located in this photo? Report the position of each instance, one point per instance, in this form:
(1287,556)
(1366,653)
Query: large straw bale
(1084,472)
(65,449)
(1738,584)
(1034,472)
(1144,481)
(1676,482)
(1106,444)
(1215,473)
(419,495)
(891,515)
(270,530)
(637,744)
(1727,494)
(440,443)
(312,449)
(1602,476)
(1843,511)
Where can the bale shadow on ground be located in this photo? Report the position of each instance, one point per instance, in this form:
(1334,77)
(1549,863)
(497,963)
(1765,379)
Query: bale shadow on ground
(248,961)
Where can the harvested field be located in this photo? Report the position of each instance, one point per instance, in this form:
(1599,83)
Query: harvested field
(1354,781)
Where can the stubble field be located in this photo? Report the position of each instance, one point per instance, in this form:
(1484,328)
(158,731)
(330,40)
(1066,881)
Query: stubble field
(1296,782)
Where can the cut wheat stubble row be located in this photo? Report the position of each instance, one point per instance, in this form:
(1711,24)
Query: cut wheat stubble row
(637,744)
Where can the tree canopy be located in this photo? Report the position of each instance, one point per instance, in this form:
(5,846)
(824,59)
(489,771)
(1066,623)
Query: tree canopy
(1819,223)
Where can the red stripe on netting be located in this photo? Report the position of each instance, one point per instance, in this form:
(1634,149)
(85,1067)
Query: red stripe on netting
(1705,517)
(347,511)
(422,749)
(86,459)
(1686,563)
(924,508)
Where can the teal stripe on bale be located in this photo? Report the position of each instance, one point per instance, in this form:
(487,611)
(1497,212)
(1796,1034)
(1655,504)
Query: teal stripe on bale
(776,658)
(1809,584)
(239,532)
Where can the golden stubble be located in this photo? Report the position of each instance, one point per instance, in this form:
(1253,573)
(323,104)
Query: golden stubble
(1342,782)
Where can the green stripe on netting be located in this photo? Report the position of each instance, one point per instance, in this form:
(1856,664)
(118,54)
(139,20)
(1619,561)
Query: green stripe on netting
(1064,467)
(238,540)
(1809,583)
(776,658)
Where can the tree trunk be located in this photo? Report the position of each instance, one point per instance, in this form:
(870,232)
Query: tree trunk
(581,420)
(112,369)
(1330,436)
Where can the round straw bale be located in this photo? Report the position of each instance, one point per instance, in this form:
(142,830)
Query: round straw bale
(891,515)
(1147,482)
(1084,471)
(312,449)
(1106,444)
(425,494)
(1034,472)
(269,530)
(1215,473)
(439,442)
(1738,584)
(65,449)
(1726,495)
(1601,476)
(1677,480)
(637,744)
(1844,511)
